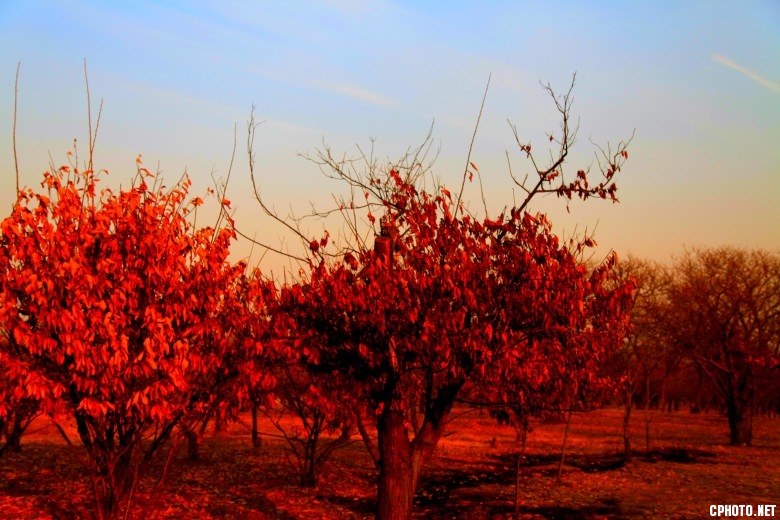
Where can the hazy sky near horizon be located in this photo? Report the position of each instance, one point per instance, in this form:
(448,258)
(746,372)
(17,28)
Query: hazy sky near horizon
(699,81)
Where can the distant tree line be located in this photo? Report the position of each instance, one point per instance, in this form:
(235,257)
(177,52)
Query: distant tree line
(705,336)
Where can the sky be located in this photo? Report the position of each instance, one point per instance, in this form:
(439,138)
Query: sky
(697,82)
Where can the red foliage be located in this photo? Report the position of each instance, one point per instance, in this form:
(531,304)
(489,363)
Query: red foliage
(115,308)
(498,304)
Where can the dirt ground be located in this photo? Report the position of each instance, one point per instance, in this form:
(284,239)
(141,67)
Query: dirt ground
(688,468)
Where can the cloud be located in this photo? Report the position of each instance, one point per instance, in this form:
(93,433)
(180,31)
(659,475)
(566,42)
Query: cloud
(360,9)
(719,58)
(178,98)
(358,93)
(293,77)
(351,7)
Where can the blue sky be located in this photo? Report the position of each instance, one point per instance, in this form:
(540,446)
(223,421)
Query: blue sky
(699,81)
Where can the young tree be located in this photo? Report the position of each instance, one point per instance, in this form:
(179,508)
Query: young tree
(725,315)
(16,412)
(234,357)
(310,416)
(646,357)
(112,300)
(440,299)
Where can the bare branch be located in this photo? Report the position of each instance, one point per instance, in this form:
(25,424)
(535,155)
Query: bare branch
(471,146)
(222,189)
(16,104)
(252,125)
(551,179)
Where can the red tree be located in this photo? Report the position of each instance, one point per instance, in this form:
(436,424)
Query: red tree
(112,302)
(236,355)
(310,416)
(16,411)
(453,301)
(441,301)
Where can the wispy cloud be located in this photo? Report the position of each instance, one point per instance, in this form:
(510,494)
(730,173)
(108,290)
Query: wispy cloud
(364,8)
(179,98)
(358,93)
(293,78)
(719,58)
(352,7)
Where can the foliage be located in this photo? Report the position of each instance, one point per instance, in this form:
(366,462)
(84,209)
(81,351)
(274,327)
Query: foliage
(115,308)
(444,299)
(310,415)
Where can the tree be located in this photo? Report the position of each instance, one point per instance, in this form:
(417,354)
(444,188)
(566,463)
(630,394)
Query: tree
(234,354)
(16,412)
(440,299)
(111,302)
(307,409)
(725,315)
(646,358)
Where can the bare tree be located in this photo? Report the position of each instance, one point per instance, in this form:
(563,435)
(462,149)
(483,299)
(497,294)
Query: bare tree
(646,359)
(725,315)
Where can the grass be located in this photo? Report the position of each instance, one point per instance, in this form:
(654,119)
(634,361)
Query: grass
(472,475)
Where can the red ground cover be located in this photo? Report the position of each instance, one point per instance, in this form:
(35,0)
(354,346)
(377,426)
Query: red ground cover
(688,468)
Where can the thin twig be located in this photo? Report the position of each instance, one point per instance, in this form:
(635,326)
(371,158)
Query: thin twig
(223,195)
(94,136)
(471,146)
(16,102)
(89,114)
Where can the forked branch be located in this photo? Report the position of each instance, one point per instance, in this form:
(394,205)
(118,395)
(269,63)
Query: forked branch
(552,179)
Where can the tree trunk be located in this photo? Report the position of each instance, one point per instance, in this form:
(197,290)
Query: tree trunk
(255,436)
(697,406)
(193,452)
(15,441)
(195,438)
(666,403)
(402,459)
(309,473)
(740,424)
(627,425)
(521,436)
(397,479)
(309,470)
(13,433)
(647,417)
(563,446)
(371,446)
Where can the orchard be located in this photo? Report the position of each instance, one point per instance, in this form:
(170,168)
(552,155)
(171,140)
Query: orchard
(127,328)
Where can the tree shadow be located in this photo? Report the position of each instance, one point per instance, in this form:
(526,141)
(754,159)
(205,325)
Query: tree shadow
(439,494)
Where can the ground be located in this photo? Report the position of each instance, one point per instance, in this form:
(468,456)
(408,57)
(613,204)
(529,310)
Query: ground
(687,468)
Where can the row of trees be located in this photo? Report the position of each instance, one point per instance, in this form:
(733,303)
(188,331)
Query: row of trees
(120,315)
(706,330)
